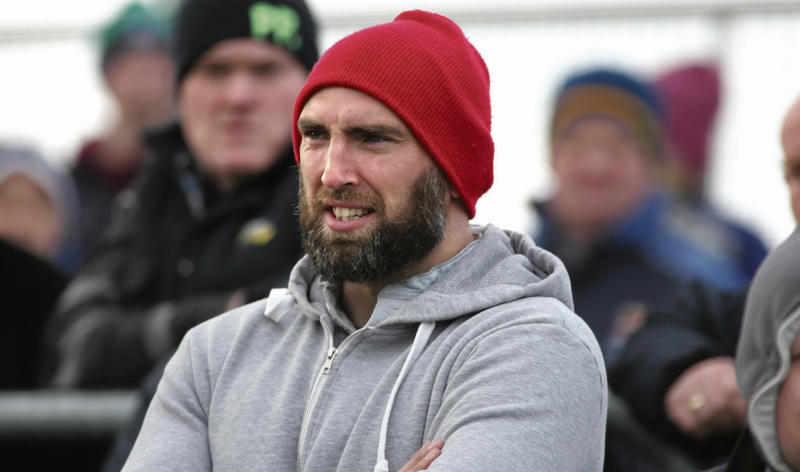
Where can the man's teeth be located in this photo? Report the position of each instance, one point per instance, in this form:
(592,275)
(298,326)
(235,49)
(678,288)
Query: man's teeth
(348,214)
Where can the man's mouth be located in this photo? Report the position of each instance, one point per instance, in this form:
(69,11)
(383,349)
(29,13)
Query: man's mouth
(349,214)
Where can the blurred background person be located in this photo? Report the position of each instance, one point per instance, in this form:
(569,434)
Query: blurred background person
(38,206)
(609,217)
(677,372)
(37,251)
(138,73)
(212,216)
(691,93)
(790,141)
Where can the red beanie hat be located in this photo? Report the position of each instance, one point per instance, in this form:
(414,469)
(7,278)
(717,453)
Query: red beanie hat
(425,70)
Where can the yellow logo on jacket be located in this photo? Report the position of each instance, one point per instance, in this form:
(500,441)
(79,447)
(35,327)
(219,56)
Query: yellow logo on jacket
(257,232)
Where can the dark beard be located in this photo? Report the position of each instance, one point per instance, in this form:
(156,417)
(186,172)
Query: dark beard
(391,248)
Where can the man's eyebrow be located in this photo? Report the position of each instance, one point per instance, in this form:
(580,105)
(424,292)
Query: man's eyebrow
(304,123)
(387,131)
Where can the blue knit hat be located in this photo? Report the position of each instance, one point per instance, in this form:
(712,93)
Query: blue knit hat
(614,94)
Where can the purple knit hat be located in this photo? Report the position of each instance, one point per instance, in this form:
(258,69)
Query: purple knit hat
(690,95)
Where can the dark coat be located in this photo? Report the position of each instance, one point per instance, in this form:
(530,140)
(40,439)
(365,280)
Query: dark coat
(745,457)
(701,323)
(172,258)
(29,288)
(97,188)
(640,263)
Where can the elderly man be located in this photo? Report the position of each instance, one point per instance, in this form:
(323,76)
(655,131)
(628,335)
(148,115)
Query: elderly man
(212,218)
(609,219)
(405,332)
(678,371)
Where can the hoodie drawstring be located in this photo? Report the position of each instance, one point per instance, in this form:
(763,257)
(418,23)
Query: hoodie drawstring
(420,340)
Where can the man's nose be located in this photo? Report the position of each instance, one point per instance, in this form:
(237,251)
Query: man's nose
(240,90)
(339,165)
(599,159)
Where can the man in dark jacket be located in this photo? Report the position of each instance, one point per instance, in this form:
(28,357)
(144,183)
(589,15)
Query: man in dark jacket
(211,220)
(609,218)
(678,372)
(138,73)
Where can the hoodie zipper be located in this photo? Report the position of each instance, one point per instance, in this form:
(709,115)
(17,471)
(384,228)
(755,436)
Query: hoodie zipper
(318,383)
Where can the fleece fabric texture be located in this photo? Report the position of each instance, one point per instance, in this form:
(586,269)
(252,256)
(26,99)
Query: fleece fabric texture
(763,356)
(511,380)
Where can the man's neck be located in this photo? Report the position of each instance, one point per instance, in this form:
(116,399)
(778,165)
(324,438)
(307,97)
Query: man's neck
(358,300)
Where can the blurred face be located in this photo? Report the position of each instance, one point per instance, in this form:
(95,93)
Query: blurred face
(372,201)
(602,174)
(142,83)
(790,140)
(236,108)
(28,217)
(788,411)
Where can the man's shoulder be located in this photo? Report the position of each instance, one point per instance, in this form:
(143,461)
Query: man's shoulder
(254,318)
(542,337)
(543,313)
(537,309)
(225,326)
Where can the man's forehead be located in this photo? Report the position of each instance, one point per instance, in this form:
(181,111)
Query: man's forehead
(245,50)
(790,140)
(597,125)
(349,107)
(791,121)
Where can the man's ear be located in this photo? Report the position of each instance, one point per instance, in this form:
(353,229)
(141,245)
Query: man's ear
(454,197)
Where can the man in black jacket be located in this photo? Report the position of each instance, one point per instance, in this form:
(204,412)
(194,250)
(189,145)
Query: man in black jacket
(211,221)
(678,373)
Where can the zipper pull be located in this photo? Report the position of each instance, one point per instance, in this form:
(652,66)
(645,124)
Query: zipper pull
(328,360)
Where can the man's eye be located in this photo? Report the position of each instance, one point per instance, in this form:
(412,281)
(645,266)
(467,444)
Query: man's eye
(312,134)
(374,138)
(792,172)
(215,70)
(266,70)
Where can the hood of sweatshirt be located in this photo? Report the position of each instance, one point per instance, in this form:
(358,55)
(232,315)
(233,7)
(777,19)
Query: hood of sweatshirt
(497,267)
(763,357)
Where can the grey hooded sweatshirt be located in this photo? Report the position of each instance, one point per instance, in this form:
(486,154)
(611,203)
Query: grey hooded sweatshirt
(763,356)
(483,351)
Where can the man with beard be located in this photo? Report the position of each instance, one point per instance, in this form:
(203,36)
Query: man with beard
(404,332)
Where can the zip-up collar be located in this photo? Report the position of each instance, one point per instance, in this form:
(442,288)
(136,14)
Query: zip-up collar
(280,303)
